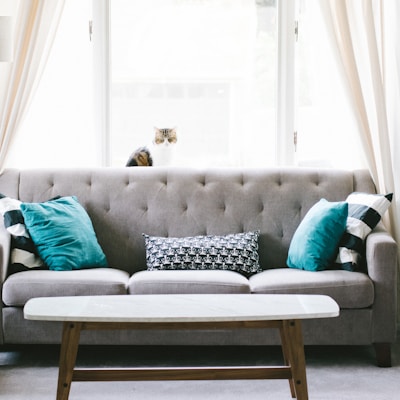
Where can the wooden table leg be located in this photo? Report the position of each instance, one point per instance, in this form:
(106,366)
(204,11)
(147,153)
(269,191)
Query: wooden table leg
(292,347)
(68,353)
(286,358)
(294,354)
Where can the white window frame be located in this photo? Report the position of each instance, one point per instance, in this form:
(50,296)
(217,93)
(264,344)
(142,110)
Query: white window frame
(286,92)
(100,34)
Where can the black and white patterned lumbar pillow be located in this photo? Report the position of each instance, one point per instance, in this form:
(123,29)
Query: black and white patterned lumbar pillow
(365,212)
(23,251)
(235,252)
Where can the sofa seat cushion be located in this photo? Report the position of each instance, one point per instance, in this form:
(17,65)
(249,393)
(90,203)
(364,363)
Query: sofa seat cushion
(348,289)
(22,286)
(188,282)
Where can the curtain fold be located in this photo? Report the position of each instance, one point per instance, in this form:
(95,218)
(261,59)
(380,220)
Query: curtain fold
(337,17)
(358,32)
(36,24)
(366,36)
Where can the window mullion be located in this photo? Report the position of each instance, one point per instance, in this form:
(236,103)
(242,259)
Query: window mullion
(101,76)
(286,83)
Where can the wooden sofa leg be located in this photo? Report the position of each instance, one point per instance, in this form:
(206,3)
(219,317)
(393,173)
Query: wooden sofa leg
(383,354)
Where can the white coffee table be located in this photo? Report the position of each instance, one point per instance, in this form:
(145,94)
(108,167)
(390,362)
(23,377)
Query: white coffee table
(283,312)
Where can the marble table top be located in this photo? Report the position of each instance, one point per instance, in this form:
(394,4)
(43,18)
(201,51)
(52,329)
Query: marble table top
(180,308)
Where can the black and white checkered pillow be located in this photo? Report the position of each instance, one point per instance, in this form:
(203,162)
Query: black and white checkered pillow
(235,252)
(23,251)
(365,212)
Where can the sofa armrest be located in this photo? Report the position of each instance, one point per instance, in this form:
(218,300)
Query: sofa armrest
(5,241)
(381,258)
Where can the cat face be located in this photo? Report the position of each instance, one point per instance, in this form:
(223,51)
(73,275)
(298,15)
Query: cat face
(165,136)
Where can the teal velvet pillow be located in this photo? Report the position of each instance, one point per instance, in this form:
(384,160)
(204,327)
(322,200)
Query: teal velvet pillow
(315,243)
(63,234)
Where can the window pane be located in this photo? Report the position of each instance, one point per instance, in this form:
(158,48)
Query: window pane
(206,67)
(327,131)
(58,128)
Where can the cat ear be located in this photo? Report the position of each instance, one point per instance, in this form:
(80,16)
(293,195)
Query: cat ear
(156,129)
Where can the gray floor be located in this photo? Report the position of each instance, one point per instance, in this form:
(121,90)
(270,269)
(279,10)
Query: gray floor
(333,373)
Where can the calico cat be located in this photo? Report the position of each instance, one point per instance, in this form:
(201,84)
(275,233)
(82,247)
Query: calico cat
(141,157)
(165,136)
(162,150)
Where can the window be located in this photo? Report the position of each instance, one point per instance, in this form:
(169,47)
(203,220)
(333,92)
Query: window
(206,67)
(231,75)
(326,131)
(58,128)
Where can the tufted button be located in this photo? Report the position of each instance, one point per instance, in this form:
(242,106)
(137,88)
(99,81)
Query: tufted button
(299,210)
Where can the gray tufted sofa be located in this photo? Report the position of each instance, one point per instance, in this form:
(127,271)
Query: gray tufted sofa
(123,203)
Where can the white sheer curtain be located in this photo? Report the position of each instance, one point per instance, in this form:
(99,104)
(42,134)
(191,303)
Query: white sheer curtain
(36,23)
(367,35)
(366,48)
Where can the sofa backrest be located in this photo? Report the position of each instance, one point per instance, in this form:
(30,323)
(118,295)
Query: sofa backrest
(123,203)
